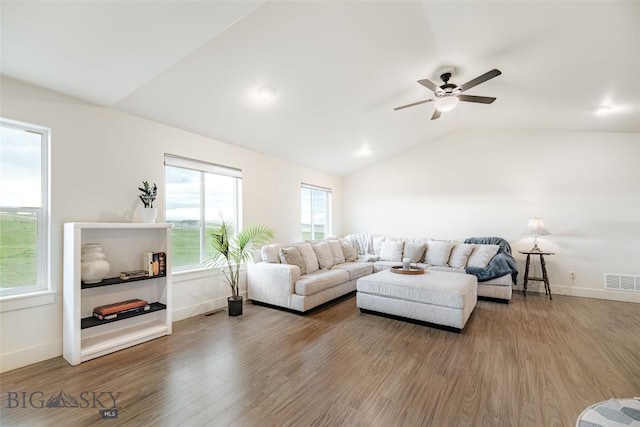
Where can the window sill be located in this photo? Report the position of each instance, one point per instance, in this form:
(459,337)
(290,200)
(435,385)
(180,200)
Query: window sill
(22,301)
(186,275)
(198,273)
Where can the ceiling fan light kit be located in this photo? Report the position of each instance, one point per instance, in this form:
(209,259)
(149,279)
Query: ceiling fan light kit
(448,95)
(447,103)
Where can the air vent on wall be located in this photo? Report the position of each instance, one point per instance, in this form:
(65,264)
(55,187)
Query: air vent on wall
(622,282)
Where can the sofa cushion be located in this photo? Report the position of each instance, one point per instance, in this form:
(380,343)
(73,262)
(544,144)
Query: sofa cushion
(325,257)
(308,256)
(391,250)
(460,254)
(271,253)
(384,265)
(356,270)
(336,251)
(291,255)
(349,252)
(481,255)
(448,269)
(438,253)
(320,280)
(414,251)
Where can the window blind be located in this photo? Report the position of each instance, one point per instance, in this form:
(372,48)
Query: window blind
(201,166)
(315,187)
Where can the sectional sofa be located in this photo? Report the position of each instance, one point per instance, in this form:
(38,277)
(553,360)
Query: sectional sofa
(304,275)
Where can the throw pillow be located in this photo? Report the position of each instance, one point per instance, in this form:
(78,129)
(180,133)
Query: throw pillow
(438,253)
(291,255)
(308,256)
(481,255)
(460,254)
(349,252)
(271,253)
(336,251)
(414,251)
(325,257)
(391,251)
(376,242)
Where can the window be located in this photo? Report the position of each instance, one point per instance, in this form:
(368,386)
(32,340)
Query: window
(24,218)
(316,212)
(198,194)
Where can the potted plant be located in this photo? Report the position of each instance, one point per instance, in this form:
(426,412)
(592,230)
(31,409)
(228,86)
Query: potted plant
(230,252)
(148,196)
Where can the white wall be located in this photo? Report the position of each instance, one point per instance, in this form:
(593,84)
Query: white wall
(98,158)
(586,187)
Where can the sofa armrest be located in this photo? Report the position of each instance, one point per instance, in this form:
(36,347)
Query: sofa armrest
(272,283)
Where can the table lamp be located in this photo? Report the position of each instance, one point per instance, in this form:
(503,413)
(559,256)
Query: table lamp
(536,228)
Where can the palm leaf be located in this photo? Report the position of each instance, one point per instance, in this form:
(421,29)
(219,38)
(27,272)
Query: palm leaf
(230,251)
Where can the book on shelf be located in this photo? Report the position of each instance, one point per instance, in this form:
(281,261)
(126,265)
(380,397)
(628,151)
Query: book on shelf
(121,313)
(155,263)
(133,274)
(117,307)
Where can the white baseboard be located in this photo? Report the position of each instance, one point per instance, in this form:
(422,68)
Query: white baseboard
(29,356)
(202,307)
(24,357)
(576,291)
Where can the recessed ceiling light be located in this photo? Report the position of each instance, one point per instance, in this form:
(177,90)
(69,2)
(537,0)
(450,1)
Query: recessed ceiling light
(601,109)
(365,151)
(267,92)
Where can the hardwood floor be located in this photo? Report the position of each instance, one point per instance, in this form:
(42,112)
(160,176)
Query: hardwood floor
(533,362)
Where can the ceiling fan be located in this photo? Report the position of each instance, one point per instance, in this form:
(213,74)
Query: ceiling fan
(448,95)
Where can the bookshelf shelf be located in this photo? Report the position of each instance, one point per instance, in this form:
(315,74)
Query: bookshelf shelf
(116,281)
(90,322)
(86,337)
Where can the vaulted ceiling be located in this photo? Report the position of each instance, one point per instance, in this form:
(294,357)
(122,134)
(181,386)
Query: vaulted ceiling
(338,68)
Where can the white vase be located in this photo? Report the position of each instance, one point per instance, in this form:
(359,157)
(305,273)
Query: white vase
(94,265)
(149,215)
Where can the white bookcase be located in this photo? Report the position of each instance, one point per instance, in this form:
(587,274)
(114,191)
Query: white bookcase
(84,337)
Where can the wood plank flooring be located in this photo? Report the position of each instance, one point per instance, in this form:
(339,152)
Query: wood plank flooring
(533,362)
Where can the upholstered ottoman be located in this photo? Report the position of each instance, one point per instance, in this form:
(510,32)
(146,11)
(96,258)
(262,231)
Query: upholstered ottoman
(435,297)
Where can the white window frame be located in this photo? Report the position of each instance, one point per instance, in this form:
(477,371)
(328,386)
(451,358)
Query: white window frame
(11,297)
(328,213)
(204,168)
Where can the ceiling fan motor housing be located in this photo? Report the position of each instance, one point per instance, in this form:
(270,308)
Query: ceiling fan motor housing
(447,88)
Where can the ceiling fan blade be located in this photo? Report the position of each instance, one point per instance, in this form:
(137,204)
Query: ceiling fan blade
(436,114)
(429,85)
(473,98)
(411,105)
(480,79)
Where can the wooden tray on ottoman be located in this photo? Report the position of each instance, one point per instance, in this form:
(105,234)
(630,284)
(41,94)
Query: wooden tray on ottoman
(413,270)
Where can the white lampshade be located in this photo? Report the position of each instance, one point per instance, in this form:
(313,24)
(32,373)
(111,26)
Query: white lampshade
(535,228)
(447,103)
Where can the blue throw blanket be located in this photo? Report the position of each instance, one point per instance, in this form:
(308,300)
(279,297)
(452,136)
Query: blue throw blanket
(501,264)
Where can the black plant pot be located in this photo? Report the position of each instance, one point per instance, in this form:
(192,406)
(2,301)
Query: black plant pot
(235,306)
